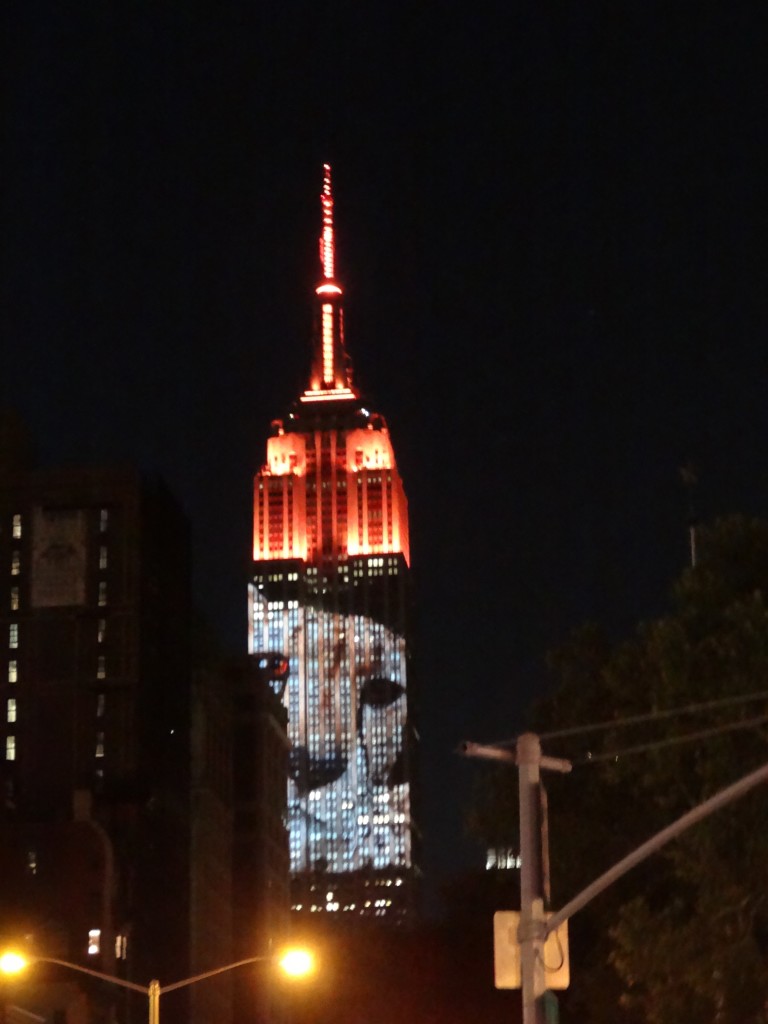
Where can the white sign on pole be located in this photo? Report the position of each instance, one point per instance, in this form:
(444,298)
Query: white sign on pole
(506,953)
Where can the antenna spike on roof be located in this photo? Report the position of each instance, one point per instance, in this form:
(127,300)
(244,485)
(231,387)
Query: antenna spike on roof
(327,245)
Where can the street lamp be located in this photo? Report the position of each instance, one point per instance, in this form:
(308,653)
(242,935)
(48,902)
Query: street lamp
(294,962)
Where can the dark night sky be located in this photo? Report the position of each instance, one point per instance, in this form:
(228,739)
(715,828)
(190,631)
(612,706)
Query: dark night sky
(552,233)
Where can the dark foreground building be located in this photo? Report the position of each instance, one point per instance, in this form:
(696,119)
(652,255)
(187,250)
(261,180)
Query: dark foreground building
(141,823)
(329,605)
(95,690)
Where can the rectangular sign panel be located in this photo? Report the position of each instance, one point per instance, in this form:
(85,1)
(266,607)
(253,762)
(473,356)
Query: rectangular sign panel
(506,953)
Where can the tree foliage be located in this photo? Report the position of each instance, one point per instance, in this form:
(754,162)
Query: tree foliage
(684,936)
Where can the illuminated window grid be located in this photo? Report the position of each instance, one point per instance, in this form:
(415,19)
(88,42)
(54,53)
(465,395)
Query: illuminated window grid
(306,845)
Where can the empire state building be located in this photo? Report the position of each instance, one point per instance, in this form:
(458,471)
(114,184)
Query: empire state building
(328,623)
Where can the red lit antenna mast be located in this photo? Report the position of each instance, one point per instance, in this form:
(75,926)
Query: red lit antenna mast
(331,378)
(327,254)
(328,285)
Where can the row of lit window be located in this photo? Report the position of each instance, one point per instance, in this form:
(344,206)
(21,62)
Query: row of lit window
(503,859)
(16,523)
(381,819)
(16,534)
(377,881)
(94,944)
(15,568)
(13,643)
(333,905)
(15,528)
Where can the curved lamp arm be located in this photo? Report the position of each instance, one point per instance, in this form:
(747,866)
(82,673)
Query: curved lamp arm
(209,974)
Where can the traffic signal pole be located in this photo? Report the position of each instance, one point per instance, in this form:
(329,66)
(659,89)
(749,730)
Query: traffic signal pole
(534,926)
(720,799)
(532,931)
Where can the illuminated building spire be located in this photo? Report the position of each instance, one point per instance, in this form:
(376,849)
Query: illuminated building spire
(331,378)
(327,243)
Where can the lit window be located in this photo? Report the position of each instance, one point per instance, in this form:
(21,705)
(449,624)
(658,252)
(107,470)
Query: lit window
(101,631)
(10,710)
(15,563)
(103,520)
(94,941)
(13,634)
(101,702)
(14,599)
(10,748)
(101,667)
(13,671)
(16,527)
(103,557)
(99,744)
(102,593)
(31,862)
(121,946)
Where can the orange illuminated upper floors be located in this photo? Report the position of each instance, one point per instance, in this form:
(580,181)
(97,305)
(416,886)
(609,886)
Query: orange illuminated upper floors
(341,514)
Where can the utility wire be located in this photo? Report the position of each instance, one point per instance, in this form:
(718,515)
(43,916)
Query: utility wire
(747,723)
(650,716)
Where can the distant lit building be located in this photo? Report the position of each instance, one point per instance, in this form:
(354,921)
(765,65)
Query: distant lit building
(502,858)
(329,606)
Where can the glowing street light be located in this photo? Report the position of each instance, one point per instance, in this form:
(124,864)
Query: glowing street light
(293,962)
(12,963)
(297,963)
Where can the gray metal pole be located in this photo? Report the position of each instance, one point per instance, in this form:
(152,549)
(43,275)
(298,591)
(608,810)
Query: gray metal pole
(725,796)
(532,929)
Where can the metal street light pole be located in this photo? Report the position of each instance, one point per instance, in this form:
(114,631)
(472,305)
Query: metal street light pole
(534,927)
(532,922)
(532,930)
(294,962)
